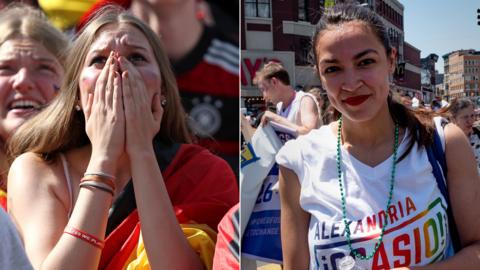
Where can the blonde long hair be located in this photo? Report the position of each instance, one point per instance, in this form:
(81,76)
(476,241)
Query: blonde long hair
(59,127)
(22,21)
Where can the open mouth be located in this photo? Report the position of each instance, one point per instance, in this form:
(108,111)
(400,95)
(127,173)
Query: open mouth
(24,105)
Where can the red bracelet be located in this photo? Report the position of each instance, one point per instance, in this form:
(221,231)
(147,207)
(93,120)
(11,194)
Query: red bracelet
(92,240)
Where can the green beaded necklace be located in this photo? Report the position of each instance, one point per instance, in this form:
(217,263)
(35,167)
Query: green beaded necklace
(342,194)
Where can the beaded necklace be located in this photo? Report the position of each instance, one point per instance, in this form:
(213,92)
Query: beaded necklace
(342,194)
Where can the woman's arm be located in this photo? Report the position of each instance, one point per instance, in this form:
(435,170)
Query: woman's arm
(294,222)
(464,191)
(165,243)
(38,202)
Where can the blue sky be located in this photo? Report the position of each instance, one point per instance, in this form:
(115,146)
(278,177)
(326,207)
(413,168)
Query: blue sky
(441,26)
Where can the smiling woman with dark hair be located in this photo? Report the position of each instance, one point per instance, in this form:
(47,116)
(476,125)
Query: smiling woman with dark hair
(367,191)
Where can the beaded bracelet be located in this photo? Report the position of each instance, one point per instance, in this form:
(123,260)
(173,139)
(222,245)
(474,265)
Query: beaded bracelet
(100,179)
(97,185)
(92,240)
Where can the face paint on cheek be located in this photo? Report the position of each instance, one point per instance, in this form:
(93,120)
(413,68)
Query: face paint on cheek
(152,79)
(88,79)
(56,88)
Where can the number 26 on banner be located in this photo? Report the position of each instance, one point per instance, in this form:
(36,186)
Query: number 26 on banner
(265,194)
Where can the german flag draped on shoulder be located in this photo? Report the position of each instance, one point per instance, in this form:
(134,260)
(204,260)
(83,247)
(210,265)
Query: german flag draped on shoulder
(202,188)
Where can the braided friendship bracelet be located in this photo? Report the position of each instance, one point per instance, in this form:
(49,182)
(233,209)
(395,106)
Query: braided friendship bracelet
(92,240)
(97,185)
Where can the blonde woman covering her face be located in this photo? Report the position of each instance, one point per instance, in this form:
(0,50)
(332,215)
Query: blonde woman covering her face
(94,154)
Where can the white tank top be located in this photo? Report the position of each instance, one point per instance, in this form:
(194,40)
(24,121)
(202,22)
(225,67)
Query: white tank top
(292,111)
(417,230)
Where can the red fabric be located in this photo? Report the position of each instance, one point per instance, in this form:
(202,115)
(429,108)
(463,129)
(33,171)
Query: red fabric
(202,188)
(120,243)
(200,80)
(220,146)
(224,259)
(3,201)
(99,4)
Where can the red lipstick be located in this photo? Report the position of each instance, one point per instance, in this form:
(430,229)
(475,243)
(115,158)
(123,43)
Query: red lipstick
(356,100)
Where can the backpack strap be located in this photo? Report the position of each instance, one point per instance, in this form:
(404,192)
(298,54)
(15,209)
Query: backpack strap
(436,157)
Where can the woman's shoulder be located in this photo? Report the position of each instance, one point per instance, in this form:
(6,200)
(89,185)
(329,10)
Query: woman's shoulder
(453,132)
(315,136)
(29,161)
(309,143)
(455,141)
(29,168)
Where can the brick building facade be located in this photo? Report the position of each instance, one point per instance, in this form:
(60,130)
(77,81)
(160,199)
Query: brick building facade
(462,74)
(282,31)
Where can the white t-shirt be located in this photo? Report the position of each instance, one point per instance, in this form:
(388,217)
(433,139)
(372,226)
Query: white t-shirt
(12,253)
(417,228)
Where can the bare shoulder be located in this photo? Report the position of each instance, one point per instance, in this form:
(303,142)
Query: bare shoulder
(28,160)
(454,135)
(32,178)
(28,168)
(457,148)
(456,144)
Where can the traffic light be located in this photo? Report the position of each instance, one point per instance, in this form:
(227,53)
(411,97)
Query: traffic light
(478,16)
